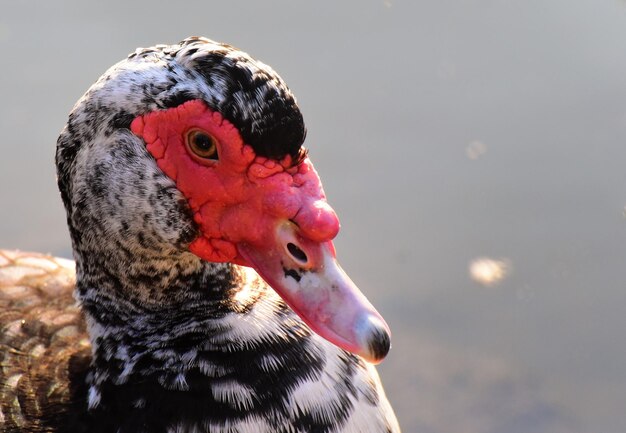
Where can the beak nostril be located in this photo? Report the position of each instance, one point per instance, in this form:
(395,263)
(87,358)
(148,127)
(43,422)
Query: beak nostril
(297,253)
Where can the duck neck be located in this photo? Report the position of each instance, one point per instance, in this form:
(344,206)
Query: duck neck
(219,344)
(151,315)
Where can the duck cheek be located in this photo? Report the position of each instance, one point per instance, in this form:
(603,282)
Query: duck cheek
(223,226)
(214,250)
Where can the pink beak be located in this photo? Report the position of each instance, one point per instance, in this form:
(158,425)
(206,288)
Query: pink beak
(307,276)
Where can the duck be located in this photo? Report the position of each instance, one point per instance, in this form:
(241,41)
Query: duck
(205,295)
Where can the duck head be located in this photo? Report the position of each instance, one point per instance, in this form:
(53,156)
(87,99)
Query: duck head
(221,136)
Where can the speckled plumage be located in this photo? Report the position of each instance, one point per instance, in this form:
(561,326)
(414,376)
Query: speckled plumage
(176,344)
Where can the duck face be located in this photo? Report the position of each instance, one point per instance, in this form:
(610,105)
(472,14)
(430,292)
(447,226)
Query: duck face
(268,214)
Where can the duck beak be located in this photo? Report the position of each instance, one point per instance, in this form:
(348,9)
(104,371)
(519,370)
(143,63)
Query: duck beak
(305,273)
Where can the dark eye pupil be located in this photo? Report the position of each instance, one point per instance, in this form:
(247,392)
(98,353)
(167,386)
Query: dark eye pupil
(203,141)
(201,144)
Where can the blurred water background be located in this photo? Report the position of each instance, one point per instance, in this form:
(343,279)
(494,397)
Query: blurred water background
(475,151)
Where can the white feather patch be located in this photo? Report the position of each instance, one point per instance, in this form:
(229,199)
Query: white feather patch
(234,394)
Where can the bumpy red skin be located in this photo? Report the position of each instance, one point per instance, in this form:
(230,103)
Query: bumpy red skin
(250,209)
(241,197)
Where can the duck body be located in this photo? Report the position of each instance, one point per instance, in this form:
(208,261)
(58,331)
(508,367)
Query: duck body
(175,330)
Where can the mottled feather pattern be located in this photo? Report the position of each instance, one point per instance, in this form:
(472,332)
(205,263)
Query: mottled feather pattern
(157,339)
(248,364)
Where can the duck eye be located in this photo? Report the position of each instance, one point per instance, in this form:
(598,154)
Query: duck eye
(201,144)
